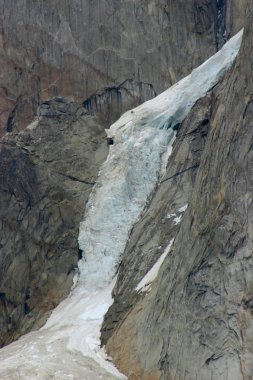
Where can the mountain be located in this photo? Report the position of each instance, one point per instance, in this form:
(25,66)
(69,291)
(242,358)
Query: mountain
(169,209)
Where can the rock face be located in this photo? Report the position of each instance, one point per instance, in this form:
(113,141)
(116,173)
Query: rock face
(158,224)
(234,15)
(46,173)
(196,322)
(111,54)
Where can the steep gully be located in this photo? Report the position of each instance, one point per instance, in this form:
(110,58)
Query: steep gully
(126,181)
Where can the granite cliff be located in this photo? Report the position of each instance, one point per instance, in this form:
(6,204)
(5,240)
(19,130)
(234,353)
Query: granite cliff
(63,81)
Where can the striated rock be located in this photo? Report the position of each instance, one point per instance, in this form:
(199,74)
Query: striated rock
(110,54)
(46,175)
(196,322)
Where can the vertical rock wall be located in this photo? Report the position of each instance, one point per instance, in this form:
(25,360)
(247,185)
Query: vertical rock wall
(196,323)
(114,54)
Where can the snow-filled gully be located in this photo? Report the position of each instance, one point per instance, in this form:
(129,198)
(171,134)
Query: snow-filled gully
(68,346)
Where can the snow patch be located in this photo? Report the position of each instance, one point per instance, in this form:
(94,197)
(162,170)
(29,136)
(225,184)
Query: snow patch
(169,216)
(34,124)
(145,284)
(183,208)
(177,219)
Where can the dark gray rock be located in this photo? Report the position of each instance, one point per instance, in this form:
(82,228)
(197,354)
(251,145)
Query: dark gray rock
(46,175)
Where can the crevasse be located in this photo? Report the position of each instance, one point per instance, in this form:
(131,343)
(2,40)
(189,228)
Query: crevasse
(68,346)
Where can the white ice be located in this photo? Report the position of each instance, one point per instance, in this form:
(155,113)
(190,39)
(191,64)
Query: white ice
(68,345)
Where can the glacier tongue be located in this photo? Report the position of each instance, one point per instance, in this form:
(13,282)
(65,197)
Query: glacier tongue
(125,182)
(141,138)
(68,345)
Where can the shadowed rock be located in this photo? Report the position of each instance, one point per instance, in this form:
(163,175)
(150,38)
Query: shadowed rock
(46,175)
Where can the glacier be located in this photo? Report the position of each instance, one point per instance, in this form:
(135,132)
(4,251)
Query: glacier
(141,138)
(68,346)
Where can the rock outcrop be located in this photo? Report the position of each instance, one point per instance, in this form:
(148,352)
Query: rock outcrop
(46,175)
(111,54)
(196,322)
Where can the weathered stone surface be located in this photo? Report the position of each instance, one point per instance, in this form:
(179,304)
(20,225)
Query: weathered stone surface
(196,323)
(46,175)
(114,54)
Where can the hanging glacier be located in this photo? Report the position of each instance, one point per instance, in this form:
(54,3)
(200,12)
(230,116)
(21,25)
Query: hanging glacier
(68,346)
